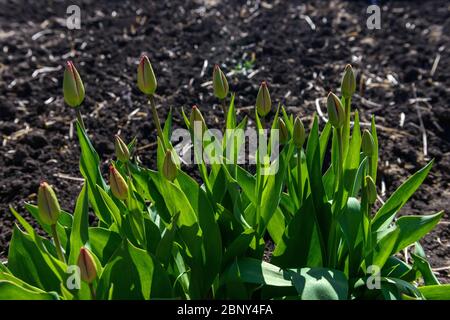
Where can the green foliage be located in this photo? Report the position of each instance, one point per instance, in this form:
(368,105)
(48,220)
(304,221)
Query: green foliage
(169,236)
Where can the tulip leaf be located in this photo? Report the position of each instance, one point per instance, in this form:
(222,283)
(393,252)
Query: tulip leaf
(396,201)
(12,291)
(436,292)
(133,274)
(79,235)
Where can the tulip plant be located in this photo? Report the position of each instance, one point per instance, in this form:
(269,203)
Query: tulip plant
(163,235)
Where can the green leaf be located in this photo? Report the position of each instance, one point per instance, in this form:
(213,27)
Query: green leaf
(310,283)
(374,157)
(299,246)
(424,267)
(12,291)
(133,274)
(89,167)
(238,247)
(397,200)
(79,235)
(103,243)
(30,262)
(436,292)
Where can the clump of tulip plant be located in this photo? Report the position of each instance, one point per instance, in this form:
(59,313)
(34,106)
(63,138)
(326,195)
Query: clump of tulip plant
(162,235)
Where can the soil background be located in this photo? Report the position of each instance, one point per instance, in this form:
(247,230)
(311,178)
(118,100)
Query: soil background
(300,48)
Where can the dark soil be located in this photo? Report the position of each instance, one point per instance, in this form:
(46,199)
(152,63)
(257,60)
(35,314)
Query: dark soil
(301,62)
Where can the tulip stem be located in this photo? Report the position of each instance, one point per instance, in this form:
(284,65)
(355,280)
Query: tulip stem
(151,98)
(223,102)
(57,243)
(91,288)
(80,118)
(299,177)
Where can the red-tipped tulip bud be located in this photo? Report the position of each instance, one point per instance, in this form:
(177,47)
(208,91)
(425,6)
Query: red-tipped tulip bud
(220,83)
(367,143)
(263,101)
(146,77)
(283,131)
(48,205)
(336,113)
(170,169)
(197,119)
(86,263)
(371,190)
(122,152)
(119,187)
(348,84)
(299,135)
(73,87)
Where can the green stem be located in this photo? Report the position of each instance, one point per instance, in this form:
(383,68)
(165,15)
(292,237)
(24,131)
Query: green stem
(91,288)
(346,127)
(151,99)
(57,243)
(299,177)
(341,158)
(80,118)
(223,102)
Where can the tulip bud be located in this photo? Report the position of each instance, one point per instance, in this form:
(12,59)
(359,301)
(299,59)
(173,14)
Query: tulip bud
(299,133)
(283,131)
(348,84)
(73,87)
(367,144)
(122,152)
(220,83)
(263,101)
(146,77)
(86,263)
(197,117)
(48,205)
(371,190)
(336,113)
(119,187)
(170,169)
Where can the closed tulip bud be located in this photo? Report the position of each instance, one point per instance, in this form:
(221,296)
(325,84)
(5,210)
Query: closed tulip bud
(197,119)
(119,187)
(263,101)
(367,144)
(48,205)
(348,85)
(86,263)
(371,190)
(220,83)
(283,131)
(146,77)
(122,152)
(170,169)
(299,135)
(336,113)
(73,87)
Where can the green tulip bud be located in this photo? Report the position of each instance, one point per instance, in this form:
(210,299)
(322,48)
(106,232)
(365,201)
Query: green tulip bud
(86,263)
(119,187)
(283,131)
(73,87)
(348,84)
(197,117)
(146,77)
(367,144)
(48,205)
(170,169)
(371,190)
(122,152)
(336,113)
(299,133)
(263,101)
(220,83)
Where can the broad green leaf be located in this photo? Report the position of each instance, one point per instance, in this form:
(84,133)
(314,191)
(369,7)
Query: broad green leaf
(79,235)
(12,291)
(424,267)
(103,243)
(396,201)
(134,274)
(436,292)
